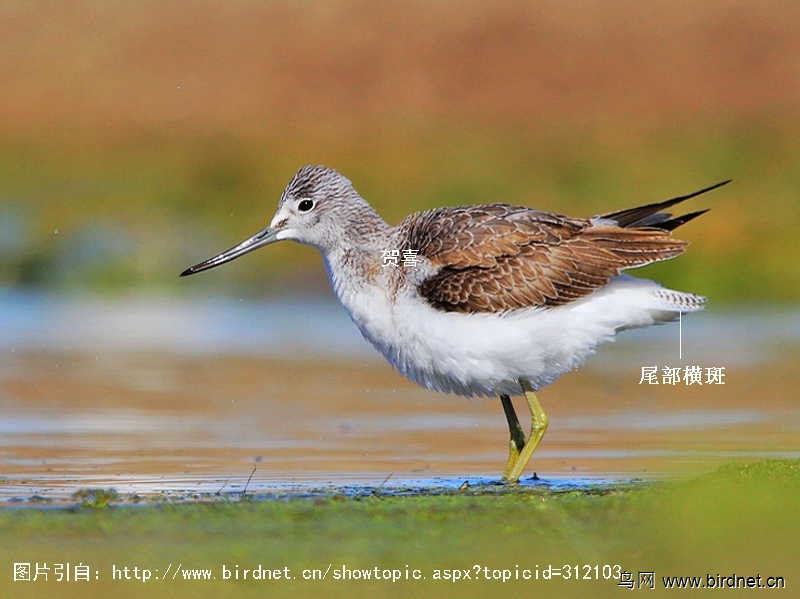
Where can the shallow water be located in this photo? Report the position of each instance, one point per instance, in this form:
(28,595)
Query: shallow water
(177,397)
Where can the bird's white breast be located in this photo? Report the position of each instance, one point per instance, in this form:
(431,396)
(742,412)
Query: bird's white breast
(487,353)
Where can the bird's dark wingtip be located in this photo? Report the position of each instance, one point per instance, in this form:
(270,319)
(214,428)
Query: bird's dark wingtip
(674,223)
(717,186)
(644,216)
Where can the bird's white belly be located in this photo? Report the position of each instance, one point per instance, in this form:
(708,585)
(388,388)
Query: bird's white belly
(486,354)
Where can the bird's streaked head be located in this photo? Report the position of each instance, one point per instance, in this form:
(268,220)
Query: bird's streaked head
(314,208)
(319,208)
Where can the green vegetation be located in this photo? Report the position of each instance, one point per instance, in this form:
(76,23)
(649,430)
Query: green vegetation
(130,214)
(742,520)
(95,498)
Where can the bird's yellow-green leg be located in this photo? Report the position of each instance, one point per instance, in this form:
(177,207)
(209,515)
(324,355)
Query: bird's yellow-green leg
(517,441)
(538,428)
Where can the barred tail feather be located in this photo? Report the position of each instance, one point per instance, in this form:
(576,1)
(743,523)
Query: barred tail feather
(628,303)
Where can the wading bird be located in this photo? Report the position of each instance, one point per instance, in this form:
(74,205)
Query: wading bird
(488,300)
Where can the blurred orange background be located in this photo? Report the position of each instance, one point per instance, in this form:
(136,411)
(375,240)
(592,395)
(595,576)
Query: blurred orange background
(150,134)
(358,63)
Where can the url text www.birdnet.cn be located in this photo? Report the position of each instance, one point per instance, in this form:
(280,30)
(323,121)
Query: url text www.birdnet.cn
(56,573)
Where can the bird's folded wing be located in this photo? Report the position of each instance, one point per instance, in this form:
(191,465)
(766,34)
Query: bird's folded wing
(496,257)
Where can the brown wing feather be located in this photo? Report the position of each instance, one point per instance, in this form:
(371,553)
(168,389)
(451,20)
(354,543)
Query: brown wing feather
(497,257)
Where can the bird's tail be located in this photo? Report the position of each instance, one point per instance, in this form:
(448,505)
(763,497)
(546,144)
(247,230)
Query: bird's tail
(629,303)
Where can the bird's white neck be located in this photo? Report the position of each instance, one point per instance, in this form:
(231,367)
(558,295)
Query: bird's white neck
(359,278)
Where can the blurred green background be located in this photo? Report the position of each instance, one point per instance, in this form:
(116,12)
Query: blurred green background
(139,138)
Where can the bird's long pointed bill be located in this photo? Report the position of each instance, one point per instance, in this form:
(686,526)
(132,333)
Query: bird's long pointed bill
(260,239)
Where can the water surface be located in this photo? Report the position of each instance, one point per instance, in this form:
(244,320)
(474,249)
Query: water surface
(166,396)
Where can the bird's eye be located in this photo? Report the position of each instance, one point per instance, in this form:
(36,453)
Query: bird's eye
(305,205)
